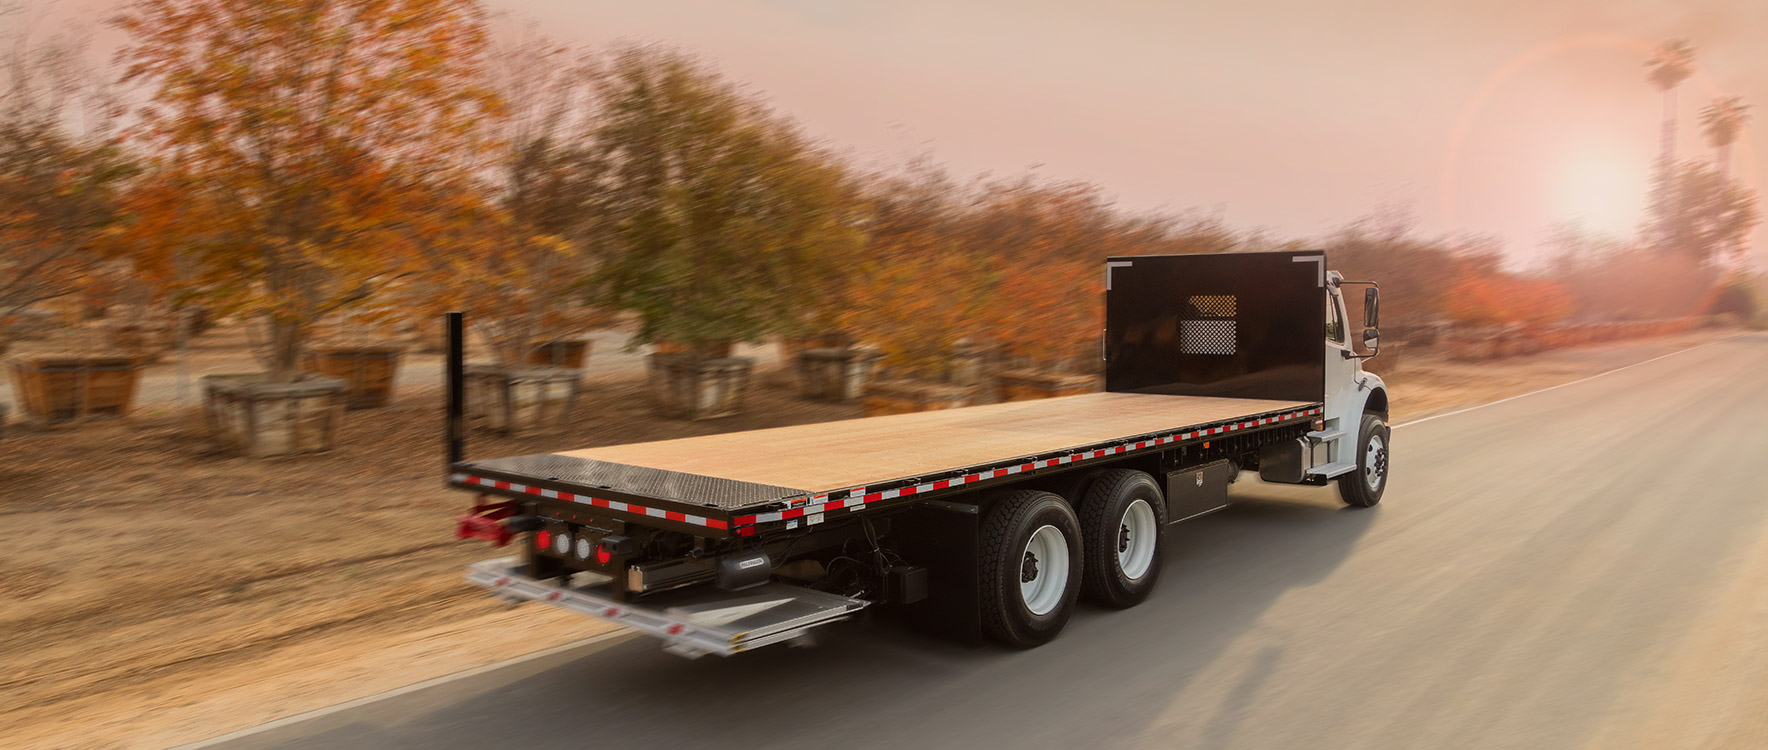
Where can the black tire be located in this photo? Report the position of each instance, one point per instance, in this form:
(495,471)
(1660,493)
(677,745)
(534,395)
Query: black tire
(1006,532)
(1105,530)
(1354,487)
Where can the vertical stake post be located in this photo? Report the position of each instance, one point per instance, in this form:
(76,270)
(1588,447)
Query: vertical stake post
(456,429)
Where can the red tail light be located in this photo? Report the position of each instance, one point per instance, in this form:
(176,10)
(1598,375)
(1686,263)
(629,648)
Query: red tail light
(602,555)
(542,539)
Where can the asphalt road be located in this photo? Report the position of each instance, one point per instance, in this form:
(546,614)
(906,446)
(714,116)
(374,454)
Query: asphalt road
(1583,567)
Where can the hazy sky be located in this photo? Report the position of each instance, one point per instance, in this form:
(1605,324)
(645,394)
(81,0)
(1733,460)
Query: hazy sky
(1295,115)
(1500,117)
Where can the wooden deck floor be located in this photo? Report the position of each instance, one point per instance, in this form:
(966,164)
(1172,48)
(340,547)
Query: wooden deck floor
(835,455)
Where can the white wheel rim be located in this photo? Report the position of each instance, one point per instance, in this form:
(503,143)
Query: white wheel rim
(1043,570)
(1136,535)
(1375,462)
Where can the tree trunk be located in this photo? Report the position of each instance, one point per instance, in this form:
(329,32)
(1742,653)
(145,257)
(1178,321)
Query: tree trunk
(1667,148)
(285,349)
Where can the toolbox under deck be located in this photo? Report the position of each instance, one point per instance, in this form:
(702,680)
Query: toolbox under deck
(719,482)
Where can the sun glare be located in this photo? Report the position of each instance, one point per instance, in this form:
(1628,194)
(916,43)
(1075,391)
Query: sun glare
(1601,189)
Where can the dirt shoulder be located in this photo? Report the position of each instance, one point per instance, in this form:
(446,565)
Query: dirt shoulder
(153,593)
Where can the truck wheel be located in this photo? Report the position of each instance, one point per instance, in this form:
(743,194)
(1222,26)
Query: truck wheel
(1363,487)
(1030,568)
(1121,520)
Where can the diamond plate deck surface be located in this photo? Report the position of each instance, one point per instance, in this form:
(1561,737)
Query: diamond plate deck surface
(697,489)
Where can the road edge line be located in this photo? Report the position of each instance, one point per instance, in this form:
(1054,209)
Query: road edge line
(398,691)
(1421,420)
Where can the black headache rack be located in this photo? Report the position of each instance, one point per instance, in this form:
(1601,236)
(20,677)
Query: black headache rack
(1231,325)
(719,508)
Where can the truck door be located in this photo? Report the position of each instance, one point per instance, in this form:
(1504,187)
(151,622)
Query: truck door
(1340,366)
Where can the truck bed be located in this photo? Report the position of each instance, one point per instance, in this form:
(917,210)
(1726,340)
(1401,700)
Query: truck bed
(720,481)
(818,458)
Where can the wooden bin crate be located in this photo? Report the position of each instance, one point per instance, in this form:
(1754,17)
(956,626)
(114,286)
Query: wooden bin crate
(687,387)
(54,389)
(368,371)
(571,354)
(254,417)
(521,400)
(835,374)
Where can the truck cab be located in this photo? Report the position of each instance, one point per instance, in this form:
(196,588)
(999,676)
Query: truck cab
(1351,392)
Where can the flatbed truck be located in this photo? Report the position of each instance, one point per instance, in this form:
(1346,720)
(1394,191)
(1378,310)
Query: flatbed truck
(987,521)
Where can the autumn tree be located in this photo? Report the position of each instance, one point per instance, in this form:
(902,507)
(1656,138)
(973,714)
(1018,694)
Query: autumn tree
(1416,272)
(61,168)
(1698,215)
(1488,297)
(303,146)
(1048,313)
(1669,65)
(1722,122)
(1029,221)
(917,299)
(1044,243)
(541,233)
(721,211)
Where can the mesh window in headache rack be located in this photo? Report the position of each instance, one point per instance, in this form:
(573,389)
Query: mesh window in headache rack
(1207,337)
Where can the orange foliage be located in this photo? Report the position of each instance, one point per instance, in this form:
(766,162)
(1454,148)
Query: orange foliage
(304,147)
(1494,298)
(917,303)
(1048,312)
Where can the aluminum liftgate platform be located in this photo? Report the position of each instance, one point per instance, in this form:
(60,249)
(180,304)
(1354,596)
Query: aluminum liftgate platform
(692,622)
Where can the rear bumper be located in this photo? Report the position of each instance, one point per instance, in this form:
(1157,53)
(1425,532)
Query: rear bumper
(691,622)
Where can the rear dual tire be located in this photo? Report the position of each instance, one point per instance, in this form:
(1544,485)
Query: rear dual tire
(1122,517)
(1038,555)
(1031,568)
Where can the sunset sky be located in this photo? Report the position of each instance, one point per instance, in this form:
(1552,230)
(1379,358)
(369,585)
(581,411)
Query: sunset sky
(1294,115)
(1500,117)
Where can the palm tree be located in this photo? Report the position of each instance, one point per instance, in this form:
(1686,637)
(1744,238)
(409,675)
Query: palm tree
(1722,121)
(1672,64)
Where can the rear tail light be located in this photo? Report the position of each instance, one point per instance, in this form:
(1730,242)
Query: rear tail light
(543,540)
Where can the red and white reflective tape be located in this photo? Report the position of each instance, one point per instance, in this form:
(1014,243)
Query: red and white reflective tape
(858,497)
(667,515)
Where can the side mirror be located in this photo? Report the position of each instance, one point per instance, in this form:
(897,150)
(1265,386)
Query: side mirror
(1371,307)
(1371,339)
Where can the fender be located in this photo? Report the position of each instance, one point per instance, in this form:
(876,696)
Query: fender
(1372,394)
